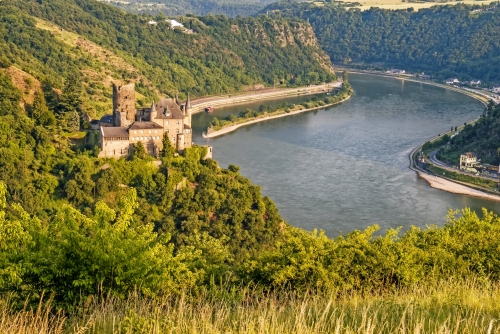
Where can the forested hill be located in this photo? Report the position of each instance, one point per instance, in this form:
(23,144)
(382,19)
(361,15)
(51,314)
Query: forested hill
(481,138)
(52,40)
(456,40)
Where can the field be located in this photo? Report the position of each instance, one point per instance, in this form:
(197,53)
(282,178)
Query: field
(398,4)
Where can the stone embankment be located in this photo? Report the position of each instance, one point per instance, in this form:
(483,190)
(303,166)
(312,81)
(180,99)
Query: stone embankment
(199,105)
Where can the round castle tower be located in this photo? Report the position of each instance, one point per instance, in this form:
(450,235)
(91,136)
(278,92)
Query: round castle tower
(124,104)
(187,112)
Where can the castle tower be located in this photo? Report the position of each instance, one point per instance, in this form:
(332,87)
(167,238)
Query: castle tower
(187,112)
(124,111)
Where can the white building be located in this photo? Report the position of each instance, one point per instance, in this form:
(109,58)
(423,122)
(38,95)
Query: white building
(495,89)
(452,81)
(468,161)
(174,24)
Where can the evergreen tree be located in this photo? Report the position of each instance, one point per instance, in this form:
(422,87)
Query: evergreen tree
(71,99)
(40,113)
(139,151)
(168,150)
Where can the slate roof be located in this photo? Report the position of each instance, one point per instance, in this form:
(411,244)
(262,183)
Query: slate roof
(141,125)
(168,109)
(107,119)
(108,132)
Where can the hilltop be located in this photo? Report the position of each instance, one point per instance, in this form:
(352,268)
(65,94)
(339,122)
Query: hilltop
(445,41)
(99,44)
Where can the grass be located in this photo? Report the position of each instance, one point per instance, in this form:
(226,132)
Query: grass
(446,307)
(75,135)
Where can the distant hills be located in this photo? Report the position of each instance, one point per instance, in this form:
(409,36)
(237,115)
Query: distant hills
(446,41)
(51,40)
(231,8)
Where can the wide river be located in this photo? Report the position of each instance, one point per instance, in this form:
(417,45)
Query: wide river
(346,167)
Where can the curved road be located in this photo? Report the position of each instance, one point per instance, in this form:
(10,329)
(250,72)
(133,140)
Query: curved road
(440,164)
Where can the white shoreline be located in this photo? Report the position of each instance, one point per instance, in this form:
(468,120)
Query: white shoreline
(264,118)
(456,188)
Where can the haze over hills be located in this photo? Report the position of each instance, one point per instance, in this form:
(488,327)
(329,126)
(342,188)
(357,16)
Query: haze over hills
(231,8)
(52,39)
(447,41)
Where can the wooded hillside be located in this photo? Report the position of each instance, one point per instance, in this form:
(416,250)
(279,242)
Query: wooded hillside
(447,41)
(52,40)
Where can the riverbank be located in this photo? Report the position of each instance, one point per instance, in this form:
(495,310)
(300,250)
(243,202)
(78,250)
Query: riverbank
(454,187)
(263,118)
(199,105)
(476,96)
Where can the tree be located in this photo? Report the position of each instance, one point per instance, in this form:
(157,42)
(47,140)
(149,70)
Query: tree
(168,150)
(71,99)
(40,113)
(139,151)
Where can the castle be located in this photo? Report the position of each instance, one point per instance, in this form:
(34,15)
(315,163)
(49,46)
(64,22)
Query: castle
(127,125)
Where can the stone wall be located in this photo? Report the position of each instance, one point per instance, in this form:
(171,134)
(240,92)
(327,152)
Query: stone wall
(114,148)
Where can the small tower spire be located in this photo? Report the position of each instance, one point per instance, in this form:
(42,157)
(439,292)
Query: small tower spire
(177,99)
(152,113)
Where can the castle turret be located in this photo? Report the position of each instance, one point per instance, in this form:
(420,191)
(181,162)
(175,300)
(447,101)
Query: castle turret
(124,111)
(153,113)
(180,142)
(187,112)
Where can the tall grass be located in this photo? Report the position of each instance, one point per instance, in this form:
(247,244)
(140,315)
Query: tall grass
(448,307)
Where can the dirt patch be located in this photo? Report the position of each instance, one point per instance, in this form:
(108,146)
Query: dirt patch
(25,82)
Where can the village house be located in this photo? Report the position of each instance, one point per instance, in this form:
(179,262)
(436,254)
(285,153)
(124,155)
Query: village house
(452,81)
(127,126)
(468,162)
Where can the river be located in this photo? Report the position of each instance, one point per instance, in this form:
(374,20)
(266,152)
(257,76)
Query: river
(345,167)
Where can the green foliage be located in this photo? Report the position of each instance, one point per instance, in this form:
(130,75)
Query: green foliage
(168,150)
(139,152)
(481,137)
(40,112)
(435,40)
(222,55)
(10,96)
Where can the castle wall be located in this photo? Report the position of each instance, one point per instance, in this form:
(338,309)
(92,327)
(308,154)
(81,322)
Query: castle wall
(151,139)
(114,148)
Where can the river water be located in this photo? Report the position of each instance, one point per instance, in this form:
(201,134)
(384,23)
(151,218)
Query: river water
(345,167)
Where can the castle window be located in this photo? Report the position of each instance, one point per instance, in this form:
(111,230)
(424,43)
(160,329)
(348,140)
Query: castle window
(156,131)
(149,131)
(142,138)
(150,138)
(141,132)
(133,138)
(177,122)
(176,130)
(166,122)
(173,138)
(187,131)
(167,130)
(135,132)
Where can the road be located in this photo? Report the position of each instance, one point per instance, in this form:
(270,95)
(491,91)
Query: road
(440,164)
